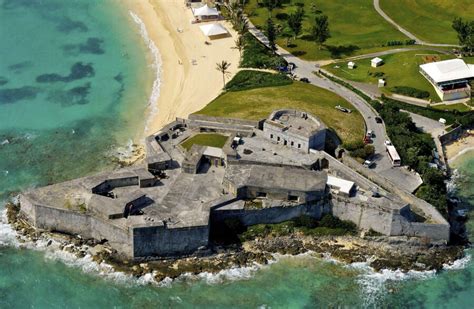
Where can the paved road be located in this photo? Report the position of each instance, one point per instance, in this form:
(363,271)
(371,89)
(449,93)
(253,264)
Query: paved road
(403,30)
(399,176)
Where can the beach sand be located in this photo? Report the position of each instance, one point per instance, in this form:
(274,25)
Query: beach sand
(185,87)
(459,147)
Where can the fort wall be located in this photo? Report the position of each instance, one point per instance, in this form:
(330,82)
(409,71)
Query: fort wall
(148,241)
(269,215)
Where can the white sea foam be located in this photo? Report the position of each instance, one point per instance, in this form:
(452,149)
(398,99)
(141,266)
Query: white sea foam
(126,152)
(156,65)
(225,275)
(374,284)
(451,185)
(8,236)
(458,264)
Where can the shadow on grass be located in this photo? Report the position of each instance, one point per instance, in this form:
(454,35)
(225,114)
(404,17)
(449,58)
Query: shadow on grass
(342,50)
(299,53)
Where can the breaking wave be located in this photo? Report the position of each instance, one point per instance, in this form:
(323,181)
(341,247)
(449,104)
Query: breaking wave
(373,284)
(458,264)
(156,65)
(8,236)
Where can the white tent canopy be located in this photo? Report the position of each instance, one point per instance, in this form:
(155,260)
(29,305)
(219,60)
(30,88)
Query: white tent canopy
(213,29)
(205,11)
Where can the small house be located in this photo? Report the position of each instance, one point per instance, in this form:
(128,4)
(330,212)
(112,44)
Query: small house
(381,82)
(351,65)
(376,62)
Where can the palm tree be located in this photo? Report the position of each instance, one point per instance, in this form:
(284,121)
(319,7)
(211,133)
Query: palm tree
(239,44)
(223,67)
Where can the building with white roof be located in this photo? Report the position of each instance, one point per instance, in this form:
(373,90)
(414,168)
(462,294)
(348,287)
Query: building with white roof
(450,78)
(214,31)
(376,62)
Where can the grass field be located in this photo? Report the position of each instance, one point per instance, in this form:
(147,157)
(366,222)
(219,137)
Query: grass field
(429,20)
(258,103)
(459,107)
(355,27)
(399,69)
(210,139)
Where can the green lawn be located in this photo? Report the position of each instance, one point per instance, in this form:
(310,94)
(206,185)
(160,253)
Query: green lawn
(429,20)
(205,139)
(258,103)
(450,107)
(355,27)
(401,69)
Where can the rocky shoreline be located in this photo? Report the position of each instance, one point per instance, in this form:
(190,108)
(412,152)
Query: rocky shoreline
(380,252)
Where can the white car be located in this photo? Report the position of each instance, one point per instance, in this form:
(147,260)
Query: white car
(388,143)
(368,163)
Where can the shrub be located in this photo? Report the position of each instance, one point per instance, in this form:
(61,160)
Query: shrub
(330,221)
(247,79)
(410,42)
(305,221)
(411,92)
(257,55)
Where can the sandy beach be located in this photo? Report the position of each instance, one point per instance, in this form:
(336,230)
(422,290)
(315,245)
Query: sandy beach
(189,79)
(459,147)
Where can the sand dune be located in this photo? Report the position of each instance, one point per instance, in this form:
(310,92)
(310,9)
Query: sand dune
(189,79)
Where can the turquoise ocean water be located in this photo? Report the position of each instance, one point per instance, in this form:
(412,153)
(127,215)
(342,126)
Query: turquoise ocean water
(74,84)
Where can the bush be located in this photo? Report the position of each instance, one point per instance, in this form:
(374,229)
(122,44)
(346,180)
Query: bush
(464,118)
(330,221)
(411,92)
(257,55)
(352,146)
(410,42)
(394,43)
(247,79)
(305,221)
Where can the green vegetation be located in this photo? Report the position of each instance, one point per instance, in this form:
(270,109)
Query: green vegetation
(248,79)
(257,55)
(452,107)
(256,104)
(452,117)
(355,27)
(400,71)
(359,150)
(205,139)
(429,20)
(411,92)
(415,149)
(327,226)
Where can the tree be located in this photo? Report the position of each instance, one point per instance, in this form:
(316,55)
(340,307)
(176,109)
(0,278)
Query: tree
(465,30)
(320,30)
(287,33)
(271,5)
(222,67)
(295,22)
(240,44)
(271,34)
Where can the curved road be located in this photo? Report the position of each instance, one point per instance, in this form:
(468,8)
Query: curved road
(399,176)
(403,30)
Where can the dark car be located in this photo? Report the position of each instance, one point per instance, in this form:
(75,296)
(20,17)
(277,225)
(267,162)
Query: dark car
(378,120)
(304,80)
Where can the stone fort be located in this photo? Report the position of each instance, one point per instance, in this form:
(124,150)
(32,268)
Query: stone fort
(268,171)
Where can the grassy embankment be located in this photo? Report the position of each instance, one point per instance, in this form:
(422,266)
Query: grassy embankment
(355,27)
(205,139)
(399,70)
(258,103)
(429,20)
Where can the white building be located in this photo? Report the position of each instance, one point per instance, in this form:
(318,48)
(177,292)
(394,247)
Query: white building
(450,78)
(351,65)
(376,62)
